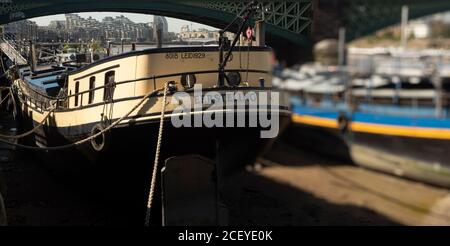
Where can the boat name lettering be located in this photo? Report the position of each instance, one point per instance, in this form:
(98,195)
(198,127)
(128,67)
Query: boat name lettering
(228,97)
(186,55)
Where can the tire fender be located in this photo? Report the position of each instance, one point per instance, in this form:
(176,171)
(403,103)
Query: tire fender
(102,142)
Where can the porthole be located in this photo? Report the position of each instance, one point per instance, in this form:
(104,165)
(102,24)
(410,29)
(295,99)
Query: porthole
(233,79)
(188,80)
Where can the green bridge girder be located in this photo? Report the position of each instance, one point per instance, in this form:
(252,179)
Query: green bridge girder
(363,17)
(292,25)
(286,19)
(290,20)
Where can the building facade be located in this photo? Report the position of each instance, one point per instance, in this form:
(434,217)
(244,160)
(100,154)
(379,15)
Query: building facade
(21,30)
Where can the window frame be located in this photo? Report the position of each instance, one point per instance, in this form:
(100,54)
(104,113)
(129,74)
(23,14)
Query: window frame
(108,91)
(77,90)
(91,97)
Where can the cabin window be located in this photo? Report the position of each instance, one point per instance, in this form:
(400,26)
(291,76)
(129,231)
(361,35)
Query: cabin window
(91,91)
(77,89)
(109,87)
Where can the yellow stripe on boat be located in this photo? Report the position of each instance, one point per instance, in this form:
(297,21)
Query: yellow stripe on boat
(404,131)
(315,121)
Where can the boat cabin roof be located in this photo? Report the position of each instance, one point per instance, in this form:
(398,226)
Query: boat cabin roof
(47,81)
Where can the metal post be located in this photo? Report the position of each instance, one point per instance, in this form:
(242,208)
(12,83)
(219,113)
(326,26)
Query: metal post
(437,82)
(398,87)
(260,33)
(32,56)
(133,46)
(91,51)
(121,43)
(159,38)
(108,51)
(221,69)
(3,220)
(341,66)
(341,47)
(404,38)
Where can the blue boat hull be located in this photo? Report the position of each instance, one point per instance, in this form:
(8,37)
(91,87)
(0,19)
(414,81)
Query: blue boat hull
(411,143)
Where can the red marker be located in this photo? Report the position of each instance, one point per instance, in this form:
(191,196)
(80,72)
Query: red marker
(249,33)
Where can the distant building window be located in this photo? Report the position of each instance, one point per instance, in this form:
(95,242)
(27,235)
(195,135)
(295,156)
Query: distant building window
(91,91)
(109,86)
(77,89)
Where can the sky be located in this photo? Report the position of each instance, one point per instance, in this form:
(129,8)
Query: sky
(174,24)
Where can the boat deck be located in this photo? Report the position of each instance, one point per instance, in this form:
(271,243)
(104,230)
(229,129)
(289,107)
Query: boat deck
(47,81)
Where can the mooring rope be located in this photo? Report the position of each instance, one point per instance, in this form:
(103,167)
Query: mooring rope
(248,59)
(4,99)
(3,219)
(88,138)
(6,72)
(22,135)
(158,145)
(155,164)
(13,102)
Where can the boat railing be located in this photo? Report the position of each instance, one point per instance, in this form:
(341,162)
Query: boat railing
(11,49)
(46,100)
(410,98)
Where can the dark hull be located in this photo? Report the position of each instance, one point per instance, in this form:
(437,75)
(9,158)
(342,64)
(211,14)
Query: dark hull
(140,139)
(125,167)
(420,159)
(326,141)
(416,158)
(422,149)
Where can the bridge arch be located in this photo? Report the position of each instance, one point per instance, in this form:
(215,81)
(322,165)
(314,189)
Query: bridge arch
(292,25)
(287,20)
(364,17)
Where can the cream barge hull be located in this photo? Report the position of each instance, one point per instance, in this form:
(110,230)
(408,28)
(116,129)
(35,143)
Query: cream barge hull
(74,103)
